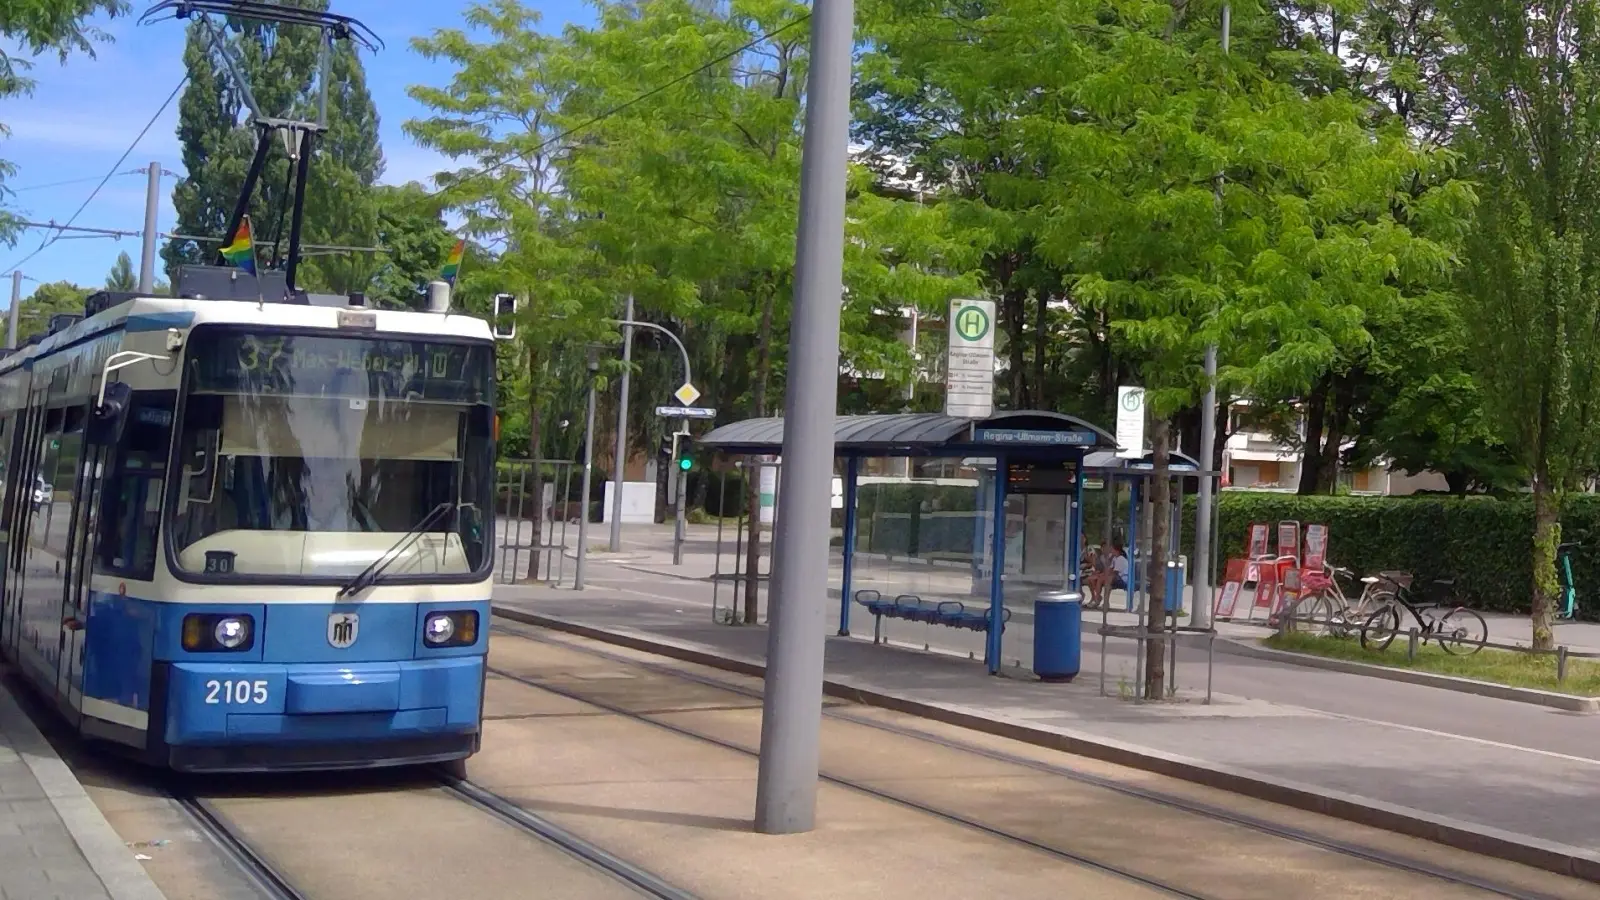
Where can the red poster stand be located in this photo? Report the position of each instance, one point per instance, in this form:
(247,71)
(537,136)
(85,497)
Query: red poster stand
(1232,585)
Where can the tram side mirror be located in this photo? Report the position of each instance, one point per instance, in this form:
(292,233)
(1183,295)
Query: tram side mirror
(106,424)
(505,316)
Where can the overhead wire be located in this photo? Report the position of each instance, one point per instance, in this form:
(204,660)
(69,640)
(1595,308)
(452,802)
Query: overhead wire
(108,176)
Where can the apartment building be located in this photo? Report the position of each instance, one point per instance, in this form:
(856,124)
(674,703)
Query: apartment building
(1255,459)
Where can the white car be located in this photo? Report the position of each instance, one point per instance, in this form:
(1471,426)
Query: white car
(41,492)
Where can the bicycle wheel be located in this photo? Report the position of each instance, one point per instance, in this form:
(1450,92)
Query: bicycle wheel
(1380,628)
(1462,632)
(1311,614)
(1351,618)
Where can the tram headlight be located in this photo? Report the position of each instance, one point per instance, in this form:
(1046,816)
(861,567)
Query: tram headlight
(218,632)
(439,629)
(231,632)
(456,628)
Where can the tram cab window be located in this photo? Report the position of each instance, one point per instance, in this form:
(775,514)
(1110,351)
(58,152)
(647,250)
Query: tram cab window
(311,456)
(130,513)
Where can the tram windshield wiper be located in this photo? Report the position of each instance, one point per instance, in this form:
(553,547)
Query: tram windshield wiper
(370,573)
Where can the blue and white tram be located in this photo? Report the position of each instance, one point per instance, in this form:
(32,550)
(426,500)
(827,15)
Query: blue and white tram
(266,540)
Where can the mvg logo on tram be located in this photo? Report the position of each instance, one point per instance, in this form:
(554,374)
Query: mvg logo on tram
(342,629)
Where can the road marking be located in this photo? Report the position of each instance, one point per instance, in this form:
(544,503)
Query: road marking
(1553,754)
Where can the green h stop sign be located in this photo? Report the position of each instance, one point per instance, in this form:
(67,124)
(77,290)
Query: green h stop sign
(972,323)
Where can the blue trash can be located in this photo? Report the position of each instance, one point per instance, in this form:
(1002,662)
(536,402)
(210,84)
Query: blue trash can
(1057,635)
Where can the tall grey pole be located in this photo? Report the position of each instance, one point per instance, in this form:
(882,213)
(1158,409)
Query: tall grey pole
(1200,570)
(1200,566)
(588,474)
(622,432)
(152,207)
(16,308)
(791,705)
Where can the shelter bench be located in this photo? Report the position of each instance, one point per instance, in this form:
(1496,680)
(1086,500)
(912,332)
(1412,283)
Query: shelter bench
(951,613)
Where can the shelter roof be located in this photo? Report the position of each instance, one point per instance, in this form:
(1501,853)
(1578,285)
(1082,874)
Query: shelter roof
(919,434)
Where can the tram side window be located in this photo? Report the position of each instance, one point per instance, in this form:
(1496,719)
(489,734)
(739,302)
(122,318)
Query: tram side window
(44,487)
(69,454)
(130,513)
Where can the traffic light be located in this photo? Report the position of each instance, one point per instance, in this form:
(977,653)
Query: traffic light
(686,464)
(664,447)
(505,316)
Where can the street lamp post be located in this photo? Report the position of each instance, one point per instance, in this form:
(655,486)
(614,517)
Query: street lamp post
(588,474)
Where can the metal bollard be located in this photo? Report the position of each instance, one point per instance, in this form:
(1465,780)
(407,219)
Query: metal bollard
(1561,663)
(1411,643)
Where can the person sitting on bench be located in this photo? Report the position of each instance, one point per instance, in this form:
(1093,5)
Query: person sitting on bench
(1111,573)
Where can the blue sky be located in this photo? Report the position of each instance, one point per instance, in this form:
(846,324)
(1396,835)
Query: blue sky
(84,114)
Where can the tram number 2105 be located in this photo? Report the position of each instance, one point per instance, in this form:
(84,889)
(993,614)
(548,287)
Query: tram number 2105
(253,692)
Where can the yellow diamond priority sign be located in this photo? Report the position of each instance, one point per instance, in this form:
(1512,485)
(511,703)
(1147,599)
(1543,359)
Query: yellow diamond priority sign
(686,394)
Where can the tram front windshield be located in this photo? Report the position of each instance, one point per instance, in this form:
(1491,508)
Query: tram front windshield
(309,457)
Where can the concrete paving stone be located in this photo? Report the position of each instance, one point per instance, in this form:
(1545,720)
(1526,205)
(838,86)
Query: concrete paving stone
(62,844)
(1505,766)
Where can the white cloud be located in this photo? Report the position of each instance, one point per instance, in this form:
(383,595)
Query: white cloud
(96,132)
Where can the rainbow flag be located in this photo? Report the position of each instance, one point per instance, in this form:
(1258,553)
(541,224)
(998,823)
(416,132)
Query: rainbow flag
(241,251)
(452,263)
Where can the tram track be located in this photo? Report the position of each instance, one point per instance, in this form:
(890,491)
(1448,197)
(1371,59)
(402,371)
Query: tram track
(550,833)
(1367,854)
(256,869)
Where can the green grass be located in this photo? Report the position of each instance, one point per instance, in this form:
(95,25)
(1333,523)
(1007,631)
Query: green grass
(1499,666)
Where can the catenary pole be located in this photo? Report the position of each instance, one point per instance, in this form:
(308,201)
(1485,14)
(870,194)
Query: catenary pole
(1200,570)
(147,250)
(791,705)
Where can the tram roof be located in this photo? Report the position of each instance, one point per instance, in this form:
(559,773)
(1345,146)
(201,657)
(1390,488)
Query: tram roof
(144,314)
(922,434)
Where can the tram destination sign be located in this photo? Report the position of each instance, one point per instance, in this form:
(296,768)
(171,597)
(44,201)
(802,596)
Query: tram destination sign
(313,364)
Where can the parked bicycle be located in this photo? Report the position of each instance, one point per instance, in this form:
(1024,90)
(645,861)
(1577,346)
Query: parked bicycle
(1460,631)
(1327,607)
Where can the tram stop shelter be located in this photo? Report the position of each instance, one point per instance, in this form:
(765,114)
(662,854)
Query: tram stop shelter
(1137,475)
(1039,452)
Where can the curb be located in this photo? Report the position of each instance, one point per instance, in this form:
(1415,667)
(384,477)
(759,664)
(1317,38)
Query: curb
(1550,856)
(1251,648)
(107,855)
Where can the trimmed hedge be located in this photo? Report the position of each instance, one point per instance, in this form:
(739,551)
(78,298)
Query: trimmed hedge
(1486,544)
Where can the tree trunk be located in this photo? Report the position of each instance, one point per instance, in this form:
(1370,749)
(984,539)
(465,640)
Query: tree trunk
(1041,332)
(1311,454)
(1155,661)
(535,441)
(1546,535)
(1016,312)
(752,496)
(1330,459)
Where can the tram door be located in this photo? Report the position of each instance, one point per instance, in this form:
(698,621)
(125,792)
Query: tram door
(9,485)
(80,541)
(21,512)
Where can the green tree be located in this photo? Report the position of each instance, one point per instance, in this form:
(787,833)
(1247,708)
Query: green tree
(280,65)
(50,299)
(1116,121)
(121,277)
(411,229)
(1532,87)
(41,26)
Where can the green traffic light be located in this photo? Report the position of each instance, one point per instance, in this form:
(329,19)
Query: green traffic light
(686,464)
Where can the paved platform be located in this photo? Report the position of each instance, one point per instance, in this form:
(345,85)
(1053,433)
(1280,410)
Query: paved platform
(1511,798)
(54,842)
